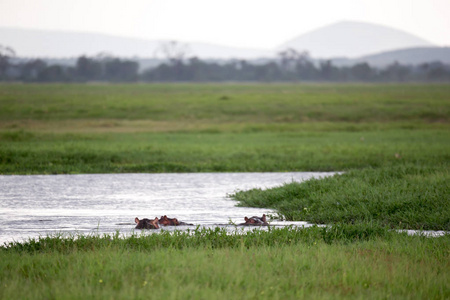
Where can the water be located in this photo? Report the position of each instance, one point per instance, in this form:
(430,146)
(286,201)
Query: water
(36,205)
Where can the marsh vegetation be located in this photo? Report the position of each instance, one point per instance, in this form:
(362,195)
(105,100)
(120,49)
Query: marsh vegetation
(392,142)
(340,262)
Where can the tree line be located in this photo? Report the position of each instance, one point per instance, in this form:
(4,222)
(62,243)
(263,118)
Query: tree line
(289,65)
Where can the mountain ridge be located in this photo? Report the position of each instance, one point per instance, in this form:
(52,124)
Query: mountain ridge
(353,39)
(42,43)
(54,43)
(407,56)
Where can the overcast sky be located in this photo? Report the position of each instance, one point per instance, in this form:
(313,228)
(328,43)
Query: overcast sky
(239,23)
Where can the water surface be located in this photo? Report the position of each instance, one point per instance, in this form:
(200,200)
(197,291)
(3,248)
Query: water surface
(36,205)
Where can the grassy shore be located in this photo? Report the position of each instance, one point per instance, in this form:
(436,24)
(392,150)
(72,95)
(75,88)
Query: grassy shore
(335,263)
(398,196)
(392,141)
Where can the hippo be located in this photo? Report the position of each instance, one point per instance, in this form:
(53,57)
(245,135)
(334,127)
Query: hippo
(255,221)
(165,221)
(146,223)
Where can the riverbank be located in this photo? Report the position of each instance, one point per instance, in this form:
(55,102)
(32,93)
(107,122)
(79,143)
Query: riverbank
(351,261)
(403,196)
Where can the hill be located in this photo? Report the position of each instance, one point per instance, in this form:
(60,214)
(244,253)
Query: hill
(353,39)
(345,43)
(57,44)
(409,56)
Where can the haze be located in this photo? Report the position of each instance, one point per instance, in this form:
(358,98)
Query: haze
(249,23)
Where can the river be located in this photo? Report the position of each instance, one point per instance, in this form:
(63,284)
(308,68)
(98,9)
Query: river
(39,205)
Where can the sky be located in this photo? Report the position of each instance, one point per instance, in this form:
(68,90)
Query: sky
(239,23)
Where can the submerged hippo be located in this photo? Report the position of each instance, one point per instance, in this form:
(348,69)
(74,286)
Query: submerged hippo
(165,221)
(146,223)
(255,221)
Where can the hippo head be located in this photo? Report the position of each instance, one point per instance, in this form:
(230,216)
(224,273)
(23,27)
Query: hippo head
(164,220)
(146,223)
(256,220)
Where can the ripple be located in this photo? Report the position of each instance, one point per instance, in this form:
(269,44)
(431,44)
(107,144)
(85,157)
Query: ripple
(36,205)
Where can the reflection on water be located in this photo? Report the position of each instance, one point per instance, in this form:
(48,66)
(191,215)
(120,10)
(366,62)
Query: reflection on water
(42,204)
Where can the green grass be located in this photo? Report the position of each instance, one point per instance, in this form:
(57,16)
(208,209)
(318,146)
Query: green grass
(392,141)
(71,128)
(400,196)
(44,153)
(279,264)
(396,159)
(203,103)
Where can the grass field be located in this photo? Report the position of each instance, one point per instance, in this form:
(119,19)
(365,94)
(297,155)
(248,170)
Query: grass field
(337,263)
(202,128)
(392,141)
(200,106)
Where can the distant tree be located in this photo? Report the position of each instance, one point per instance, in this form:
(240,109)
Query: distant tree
(268,72)
(88,69)
(296,65)
(290,66)
(175,52)
(6,53)
(53,73)
(328,72)
(362,72)
(436,71)
(395,72)
(197,70)
(305,68)
(288,59)
(31,69)
(121,70)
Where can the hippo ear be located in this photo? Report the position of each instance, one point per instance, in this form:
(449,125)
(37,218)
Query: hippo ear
(136,220)
(264,218)
(155,223)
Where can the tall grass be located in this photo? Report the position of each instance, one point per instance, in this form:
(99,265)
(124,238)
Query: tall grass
(202,238)
(279,264)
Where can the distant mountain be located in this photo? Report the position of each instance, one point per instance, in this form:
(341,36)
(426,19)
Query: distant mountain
(353,39)
(47,43)
(409,56)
